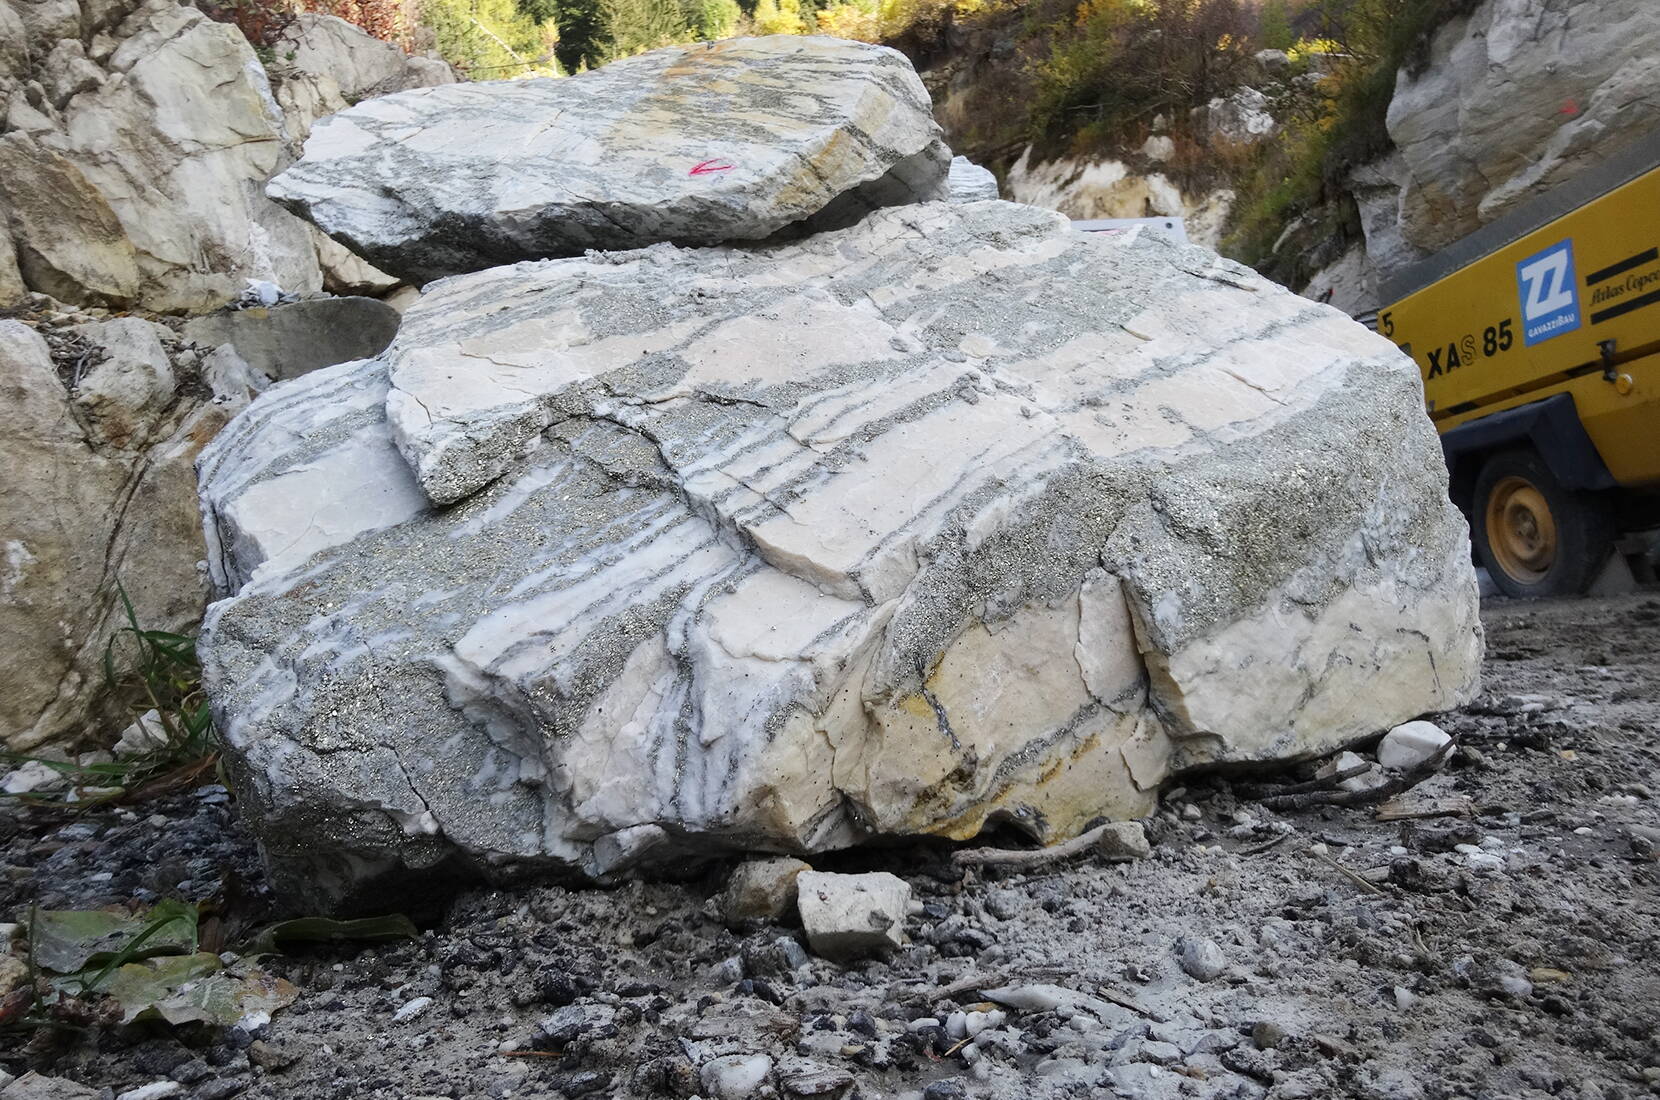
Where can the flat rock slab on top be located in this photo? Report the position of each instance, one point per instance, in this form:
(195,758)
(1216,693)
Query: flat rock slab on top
(724,141)
(952,517)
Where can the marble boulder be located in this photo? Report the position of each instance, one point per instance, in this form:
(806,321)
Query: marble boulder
(702,144)
(954,517)
(969,182)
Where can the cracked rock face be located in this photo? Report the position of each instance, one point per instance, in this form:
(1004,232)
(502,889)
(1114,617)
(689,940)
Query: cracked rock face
(953,517)
(702,144)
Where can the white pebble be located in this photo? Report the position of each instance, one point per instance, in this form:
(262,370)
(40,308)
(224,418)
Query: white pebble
(154,1091)
(1410,744)
(411,1009)
(735,1076)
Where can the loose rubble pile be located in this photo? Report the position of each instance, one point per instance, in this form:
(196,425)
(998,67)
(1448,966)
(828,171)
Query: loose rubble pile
(952,517)
(1492,935)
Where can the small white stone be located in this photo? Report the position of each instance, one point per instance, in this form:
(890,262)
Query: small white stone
(1163,1054)
(1201,958)
(156,1090)
(1122,841)
(32,776)
(846,916)
(956,1025)
(1342,762)
(411,1009)
(736,1076)
(1410,744)
(1404,998)
(146,735)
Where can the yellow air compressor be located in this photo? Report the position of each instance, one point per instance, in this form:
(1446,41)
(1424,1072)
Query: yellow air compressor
(1538,337)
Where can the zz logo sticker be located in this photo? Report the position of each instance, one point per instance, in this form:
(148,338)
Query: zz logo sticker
(1550,297)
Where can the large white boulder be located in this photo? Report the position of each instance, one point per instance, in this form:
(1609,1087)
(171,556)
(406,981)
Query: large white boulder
(132,170)
(952,517)
(970,182)
(145,187)
(98,449)
(721,141)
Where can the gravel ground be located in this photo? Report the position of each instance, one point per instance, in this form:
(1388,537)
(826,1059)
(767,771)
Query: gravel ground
(1506,948)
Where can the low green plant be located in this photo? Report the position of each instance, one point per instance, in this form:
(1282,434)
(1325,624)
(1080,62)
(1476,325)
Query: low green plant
(157,673)
(491,39)
(163,668)
(1360,45)
(106,967)
(1120,63)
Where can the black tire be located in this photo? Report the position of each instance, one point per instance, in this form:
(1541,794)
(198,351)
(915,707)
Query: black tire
(1511,491)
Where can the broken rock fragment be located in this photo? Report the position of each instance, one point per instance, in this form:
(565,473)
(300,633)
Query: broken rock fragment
(760,889)
(953,517)
(847,916)
(700,144)
(1201,958)
(969,182)
(1411,744)
(1122,841)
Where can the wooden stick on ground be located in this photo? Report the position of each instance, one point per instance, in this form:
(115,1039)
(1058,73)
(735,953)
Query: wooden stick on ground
(1403,782)
(1019,857)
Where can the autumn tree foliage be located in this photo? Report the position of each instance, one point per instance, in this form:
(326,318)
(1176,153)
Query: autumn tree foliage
(387,20)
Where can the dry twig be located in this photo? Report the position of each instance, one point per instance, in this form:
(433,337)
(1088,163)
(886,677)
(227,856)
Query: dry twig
(1019,857)
(1383,792)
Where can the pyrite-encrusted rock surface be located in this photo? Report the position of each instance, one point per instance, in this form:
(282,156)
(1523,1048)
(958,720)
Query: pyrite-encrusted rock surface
(700,144)
(952,517)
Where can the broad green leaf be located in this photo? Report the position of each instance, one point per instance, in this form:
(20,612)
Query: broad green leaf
(196,988)
(68,940)
(326,930)
(139,987)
